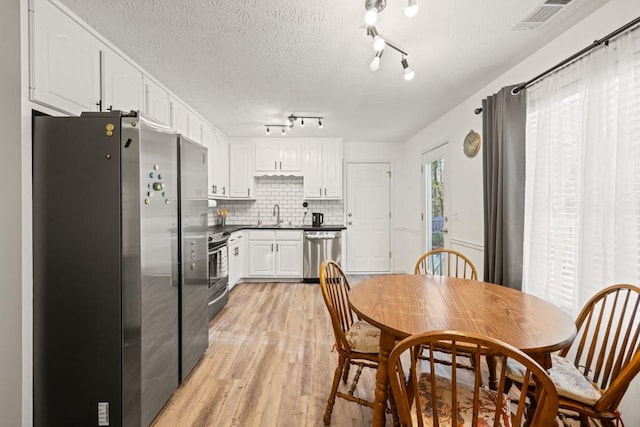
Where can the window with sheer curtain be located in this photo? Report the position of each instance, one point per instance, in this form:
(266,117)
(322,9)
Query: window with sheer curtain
(582,197)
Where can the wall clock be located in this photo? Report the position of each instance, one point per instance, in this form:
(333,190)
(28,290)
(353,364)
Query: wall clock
(471,144)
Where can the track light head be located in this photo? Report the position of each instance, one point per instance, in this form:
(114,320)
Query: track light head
(320,123)
(302,122)
(378,42)
(371,16)
(409,74)
(284,130)
(375,64)
(268,131)
(411,9)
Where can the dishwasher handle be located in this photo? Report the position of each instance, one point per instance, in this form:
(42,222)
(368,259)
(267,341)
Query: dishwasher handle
(321,236)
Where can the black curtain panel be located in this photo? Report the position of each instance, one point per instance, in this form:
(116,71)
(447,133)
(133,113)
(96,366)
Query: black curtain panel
(503,157)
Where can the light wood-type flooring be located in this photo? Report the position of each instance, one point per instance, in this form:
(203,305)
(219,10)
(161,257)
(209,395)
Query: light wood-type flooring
(269,363)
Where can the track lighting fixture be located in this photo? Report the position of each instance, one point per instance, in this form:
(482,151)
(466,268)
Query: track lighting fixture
(411,9)
(409,74)
(290,120)
(373,7)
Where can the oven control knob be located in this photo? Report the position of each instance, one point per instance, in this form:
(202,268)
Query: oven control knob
(193,265)
(158,186)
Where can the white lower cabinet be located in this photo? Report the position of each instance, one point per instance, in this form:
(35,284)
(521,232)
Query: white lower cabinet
(237,257)
(275,253)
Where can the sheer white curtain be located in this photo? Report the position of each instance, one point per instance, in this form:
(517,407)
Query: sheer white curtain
(582,197)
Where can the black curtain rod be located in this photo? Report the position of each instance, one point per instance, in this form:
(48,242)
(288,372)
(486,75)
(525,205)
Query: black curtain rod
(603,41)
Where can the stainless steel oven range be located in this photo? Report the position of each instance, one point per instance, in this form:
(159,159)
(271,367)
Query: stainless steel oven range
(218,272)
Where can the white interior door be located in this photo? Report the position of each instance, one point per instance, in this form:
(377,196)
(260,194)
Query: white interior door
(436,206)
(368,217)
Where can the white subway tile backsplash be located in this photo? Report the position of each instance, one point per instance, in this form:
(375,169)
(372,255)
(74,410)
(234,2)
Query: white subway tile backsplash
(287,192)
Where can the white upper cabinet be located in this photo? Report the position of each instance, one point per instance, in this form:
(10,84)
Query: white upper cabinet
(278,156)
(179,114)
(241,174)
(218,161)
(66,62)
(156,103)
(122,87)
(323,169)
(222,166)
(195,126)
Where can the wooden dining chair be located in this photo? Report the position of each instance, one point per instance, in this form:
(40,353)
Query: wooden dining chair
(461,399)
(356,341)
(592,375)
(446,262)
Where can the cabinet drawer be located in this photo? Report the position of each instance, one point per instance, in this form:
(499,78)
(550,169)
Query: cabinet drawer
(288,235)
(262,235)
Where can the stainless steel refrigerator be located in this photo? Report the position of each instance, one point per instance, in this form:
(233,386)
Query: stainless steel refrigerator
(107,239)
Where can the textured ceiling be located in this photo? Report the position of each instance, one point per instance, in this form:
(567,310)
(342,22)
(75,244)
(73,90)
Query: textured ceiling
(244,63)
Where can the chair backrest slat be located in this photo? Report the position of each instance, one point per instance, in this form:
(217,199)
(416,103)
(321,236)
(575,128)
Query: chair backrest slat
(335,291)
(427,394)
(607,350)
(446,262)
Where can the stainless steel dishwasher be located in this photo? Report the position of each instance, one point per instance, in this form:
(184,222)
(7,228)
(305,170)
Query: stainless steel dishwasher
(320,246)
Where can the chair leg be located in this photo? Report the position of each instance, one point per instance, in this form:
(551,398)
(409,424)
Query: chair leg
(334,388)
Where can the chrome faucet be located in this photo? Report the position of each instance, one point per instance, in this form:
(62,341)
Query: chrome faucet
(276,213)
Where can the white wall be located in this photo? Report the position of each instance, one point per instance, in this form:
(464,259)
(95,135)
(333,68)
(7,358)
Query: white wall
(10,214)
(466,174)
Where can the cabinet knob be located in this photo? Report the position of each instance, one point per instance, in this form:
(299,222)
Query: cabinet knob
(349,223)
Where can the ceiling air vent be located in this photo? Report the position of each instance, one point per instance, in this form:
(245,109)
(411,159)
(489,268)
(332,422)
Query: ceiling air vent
(540,15)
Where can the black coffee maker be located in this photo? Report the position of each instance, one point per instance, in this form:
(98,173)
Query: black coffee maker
(317,219)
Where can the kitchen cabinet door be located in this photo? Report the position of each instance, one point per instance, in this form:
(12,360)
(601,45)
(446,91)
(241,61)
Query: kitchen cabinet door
(261,258)
(288,258)
(179,116)
(156,102)
(312,181)
(66,62)
(122,87)
(267,154)
(236,257)
(241,170)
(290,156)
(332,169)
(222,167)
(323,169)
(195,126)
(208,140)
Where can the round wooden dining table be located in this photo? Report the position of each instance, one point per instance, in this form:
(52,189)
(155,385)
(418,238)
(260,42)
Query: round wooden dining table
(403,305)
